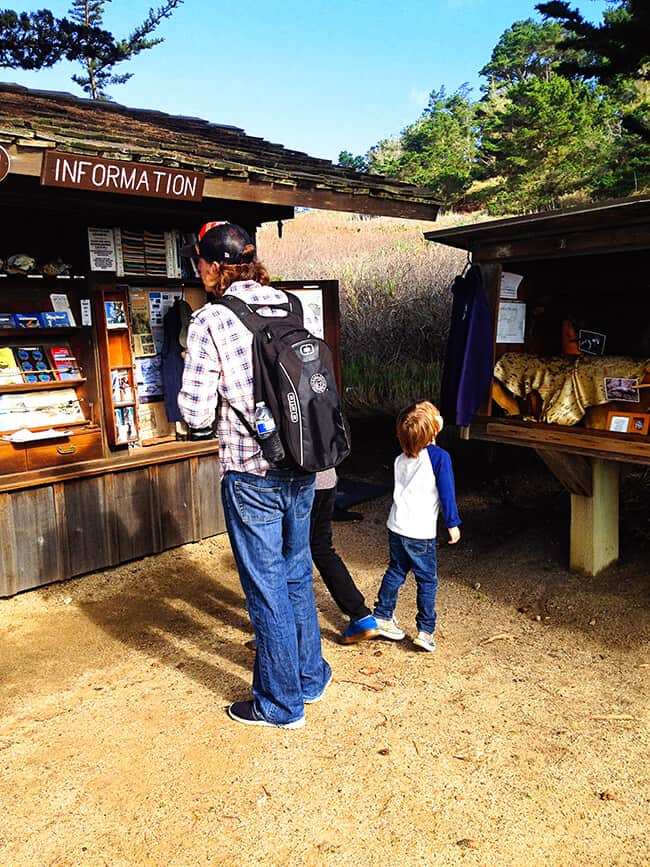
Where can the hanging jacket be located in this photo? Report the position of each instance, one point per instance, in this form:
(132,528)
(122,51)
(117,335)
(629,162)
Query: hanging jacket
(469,355)
(174,324)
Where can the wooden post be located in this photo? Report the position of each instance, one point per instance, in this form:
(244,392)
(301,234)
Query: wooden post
(594,521)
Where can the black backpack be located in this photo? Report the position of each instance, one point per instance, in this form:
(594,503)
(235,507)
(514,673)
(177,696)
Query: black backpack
(293,373)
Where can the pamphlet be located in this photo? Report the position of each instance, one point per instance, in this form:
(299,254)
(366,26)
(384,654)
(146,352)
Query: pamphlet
(101,246)
(511,322)
(9,371)
(115,314)
(60,302)
(510,285)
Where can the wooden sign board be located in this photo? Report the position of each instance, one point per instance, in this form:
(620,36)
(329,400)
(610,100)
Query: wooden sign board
(96,174)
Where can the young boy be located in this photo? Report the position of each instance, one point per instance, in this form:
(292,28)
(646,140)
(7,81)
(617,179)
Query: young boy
(424,485)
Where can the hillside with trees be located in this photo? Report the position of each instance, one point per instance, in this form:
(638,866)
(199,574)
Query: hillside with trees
(563,117)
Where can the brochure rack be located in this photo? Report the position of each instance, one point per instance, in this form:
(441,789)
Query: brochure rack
(116,365)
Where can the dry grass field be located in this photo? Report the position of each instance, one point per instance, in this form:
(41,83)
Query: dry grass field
(394,297)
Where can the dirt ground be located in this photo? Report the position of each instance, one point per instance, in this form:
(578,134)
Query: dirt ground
(523,740)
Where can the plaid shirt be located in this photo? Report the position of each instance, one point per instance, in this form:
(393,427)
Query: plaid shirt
(218,361)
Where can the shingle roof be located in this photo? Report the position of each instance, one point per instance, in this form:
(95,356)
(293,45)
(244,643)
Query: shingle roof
(607,214)
(34,119)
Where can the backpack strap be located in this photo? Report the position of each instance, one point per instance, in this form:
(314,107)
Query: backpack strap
(242,311)
(242,418)
(249,316)
(295,306)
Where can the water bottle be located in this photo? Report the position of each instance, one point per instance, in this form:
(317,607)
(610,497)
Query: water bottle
(272,447)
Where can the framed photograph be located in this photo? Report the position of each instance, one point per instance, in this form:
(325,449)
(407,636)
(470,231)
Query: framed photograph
(628,422)
(591,342)
(620,388)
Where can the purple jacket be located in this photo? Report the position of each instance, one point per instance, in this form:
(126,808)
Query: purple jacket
(469,356)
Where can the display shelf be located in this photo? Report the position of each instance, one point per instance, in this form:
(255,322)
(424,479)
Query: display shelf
(41,386)
(42,332)
(62,278)
(115,354)
(132,280)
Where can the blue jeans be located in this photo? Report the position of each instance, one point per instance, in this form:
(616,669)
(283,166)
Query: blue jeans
(419,557)
(268,524)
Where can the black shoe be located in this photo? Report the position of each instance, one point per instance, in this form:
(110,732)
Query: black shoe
(346,515)
(246,712)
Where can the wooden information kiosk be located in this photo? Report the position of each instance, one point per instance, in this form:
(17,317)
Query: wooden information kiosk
(96,200)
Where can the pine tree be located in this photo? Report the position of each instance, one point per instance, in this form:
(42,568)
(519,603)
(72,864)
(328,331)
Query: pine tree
(553,138)
(99,73)
(38,40)
(618,47)
(437,151)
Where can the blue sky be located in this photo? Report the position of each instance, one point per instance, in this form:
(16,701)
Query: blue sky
(312,76)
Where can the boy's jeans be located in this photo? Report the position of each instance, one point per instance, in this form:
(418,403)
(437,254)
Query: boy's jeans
(419,556)
(268,524)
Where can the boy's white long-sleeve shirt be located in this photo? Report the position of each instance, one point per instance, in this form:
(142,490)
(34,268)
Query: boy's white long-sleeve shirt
(423,487)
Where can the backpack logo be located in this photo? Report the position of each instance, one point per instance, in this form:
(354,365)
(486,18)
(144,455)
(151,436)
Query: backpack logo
(306,350)
(318,383)
(293,408)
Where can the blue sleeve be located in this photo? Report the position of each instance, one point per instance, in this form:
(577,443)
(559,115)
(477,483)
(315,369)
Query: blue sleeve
(442,470)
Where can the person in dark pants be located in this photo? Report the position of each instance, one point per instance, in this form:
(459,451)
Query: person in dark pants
(333,570)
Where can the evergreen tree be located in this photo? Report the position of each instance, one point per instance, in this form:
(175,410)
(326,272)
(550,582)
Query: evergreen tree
(99,70)
(526,49)
(617,54)
(356,163)
(437,151)
(538,138)
(38,40)
(553,138)
(617,48)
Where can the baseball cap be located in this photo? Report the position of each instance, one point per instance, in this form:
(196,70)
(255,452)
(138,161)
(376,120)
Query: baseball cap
(219,242)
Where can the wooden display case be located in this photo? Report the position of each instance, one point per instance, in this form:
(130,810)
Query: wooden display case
(56,400)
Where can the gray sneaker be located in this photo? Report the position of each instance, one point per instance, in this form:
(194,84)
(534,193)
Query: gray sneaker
(425,640)
(389,629)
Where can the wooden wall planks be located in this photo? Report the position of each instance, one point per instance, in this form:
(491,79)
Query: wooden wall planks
(80,525)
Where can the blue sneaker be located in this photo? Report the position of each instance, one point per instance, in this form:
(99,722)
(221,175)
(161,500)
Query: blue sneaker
(359,630)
